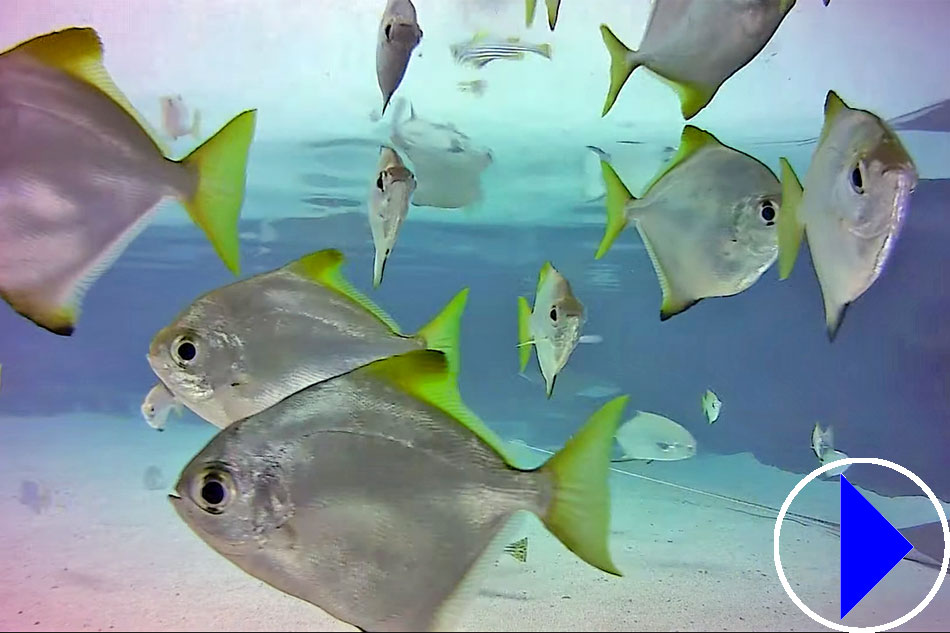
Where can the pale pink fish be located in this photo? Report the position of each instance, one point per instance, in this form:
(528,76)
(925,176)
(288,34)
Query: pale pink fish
(175,115)
(80,175)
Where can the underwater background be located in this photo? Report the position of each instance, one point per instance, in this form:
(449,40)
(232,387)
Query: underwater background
(883,383)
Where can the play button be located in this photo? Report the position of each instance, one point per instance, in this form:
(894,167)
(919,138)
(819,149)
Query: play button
(870,547)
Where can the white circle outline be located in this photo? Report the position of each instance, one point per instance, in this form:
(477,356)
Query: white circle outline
(877,462)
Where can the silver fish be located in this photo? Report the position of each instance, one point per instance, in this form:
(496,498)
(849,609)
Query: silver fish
(238,349)
(857,191)
(158,403)
(648,436)
(81,173)
(399,34)
(388,206)
(707,220)
(553,7)
(553,327)
(711,406)
(695,45)
(823,445)
(482,50)
(175,115)
(374,495)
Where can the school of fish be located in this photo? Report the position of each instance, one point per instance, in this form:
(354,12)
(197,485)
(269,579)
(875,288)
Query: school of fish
(308,381)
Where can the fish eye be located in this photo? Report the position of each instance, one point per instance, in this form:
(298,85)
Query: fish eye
(767,212)
(213,490)
(388,29)
(379,182)
(553,314)
(184,351)
(857,180)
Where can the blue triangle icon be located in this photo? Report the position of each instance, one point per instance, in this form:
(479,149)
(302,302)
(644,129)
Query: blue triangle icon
(870,547)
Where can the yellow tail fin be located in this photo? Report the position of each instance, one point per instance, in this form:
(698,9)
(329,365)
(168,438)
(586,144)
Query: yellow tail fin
(579,514)
(221,163)
(524,332)
(442,332)
(617,197)
(620,65)
(789,229)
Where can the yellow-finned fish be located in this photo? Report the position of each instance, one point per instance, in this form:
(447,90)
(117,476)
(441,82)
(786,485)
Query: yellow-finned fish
(648,437)
(530,7)
(695,46)
(375,494)
(553,326)
(399,34)
(388,206)
(823,445)
(712,405)
(707,220)
(81,173)
(856,194)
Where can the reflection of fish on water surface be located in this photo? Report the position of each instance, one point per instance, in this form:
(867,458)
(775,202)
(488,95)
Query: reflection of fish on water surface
(575,382)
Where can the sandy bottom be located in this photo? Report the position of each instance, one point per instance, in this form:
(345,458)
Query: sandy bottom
(100,548)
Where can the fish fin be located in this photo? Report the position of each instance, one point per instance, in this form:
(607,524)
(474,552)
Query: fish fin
(693,96)
(221,165)
(545,50)
(442,332)
(790,230)
(674,301)
(58,319)
(518,550)
(530,7)
(77,51)
(549,386)
(617,197)
(525,340)
(324,268)
(579,513)
(196,124)
(834,106)
(546,269)
(554,6)
(424,374)
(834,315)
(786,5)
(590,339)
(620,66)
(692,140)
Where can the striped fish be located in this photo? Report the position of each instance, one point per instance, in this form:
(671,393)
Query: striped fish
(480,50)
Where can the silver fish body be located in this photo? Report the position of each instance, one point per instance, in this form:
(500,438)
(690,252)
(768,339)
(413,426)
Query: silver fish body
(365,499)
(239,349)
(388,206)
(696,45)
(398,36)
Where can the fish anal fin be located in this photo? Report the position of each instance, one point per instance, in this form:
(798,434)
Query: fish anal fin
(834,316)
(553,6)
(675,300)
(78,52)
(693,96)
(58,318)
(324,268)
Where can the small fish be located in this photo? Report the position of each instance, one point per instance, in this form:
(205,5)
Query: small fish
(857,192)
(374,495)
(239,349)
(158,403)
(553,6)
(174,115)
(518,550)
(707,220)
(695,45)
(648,436)
(81,174)
(483,49)
(711,406)
(823,445)
(553,327)
(388,206)
(474,86)
(399,34)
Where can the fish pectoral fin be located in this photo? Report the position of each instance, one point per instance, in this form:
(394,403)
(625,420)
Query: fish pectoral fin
(325,268)
(579,513)
(789,229)
(620,66)
(617,198)
(221,166)
(442,332)
(525,340)
(77,51)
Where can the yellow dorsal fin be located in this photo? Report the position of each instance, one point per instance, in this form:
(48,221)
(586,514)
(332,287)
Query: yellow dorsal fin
(691,141)
(77,51)
(833,107)
(424,375)
(545,271)
(323,267)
